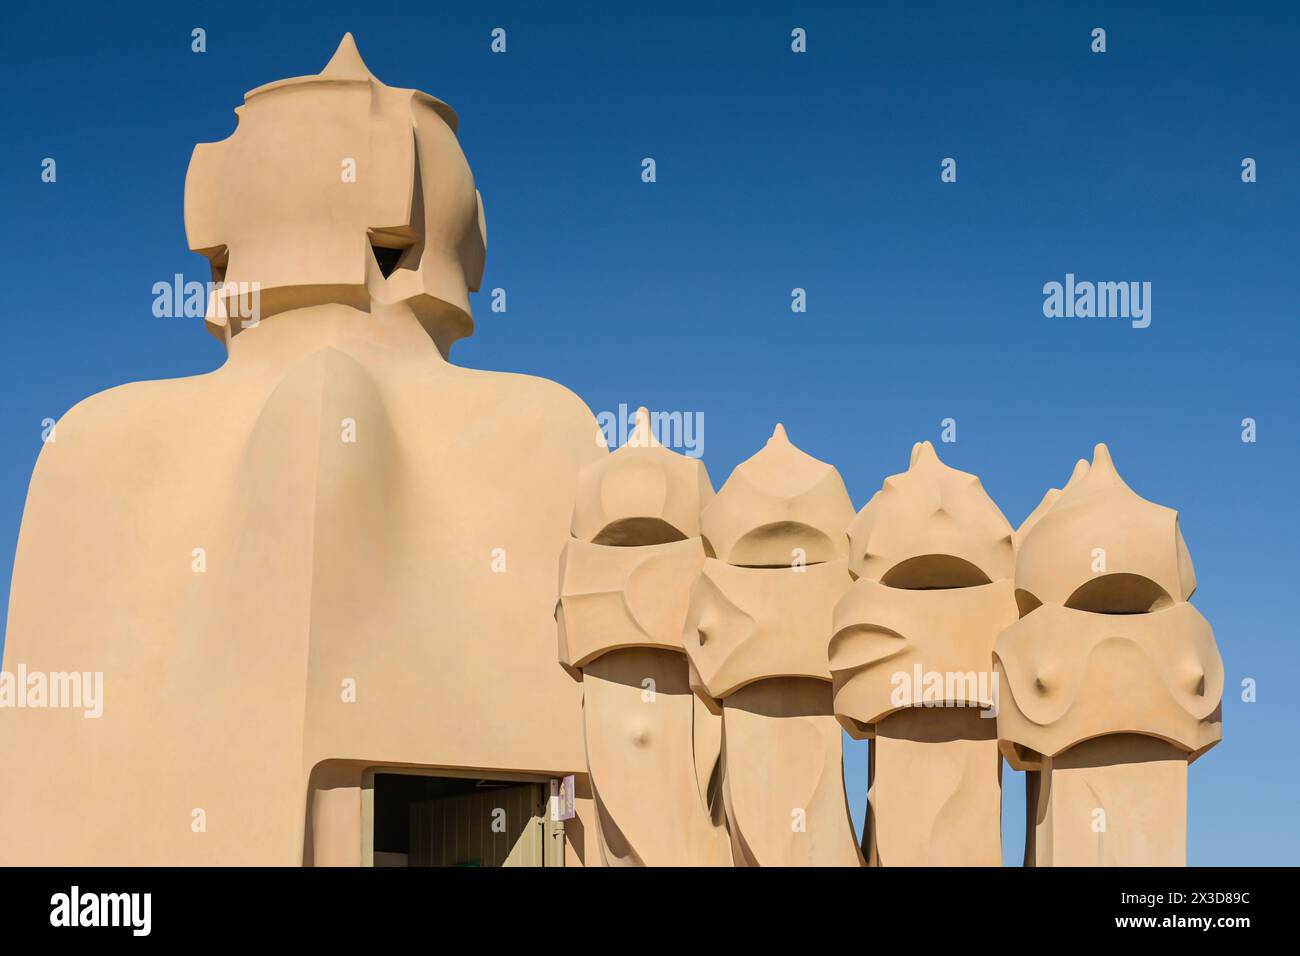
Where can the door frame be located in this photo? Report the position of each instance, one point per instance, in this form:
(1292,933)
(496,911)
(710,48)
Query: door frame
(553,849)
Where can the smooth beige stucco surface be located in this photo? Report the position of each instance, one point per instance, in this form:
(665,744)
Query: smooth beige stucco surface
(340,554)
(620,617)
(325,560)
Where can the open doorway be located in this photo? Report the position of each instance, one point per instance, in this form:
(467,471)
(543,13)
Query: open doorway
(426,819)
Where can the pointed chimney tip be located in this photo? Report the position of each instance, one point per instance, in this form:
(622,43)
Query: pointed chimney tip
(346,63)
(1101,457)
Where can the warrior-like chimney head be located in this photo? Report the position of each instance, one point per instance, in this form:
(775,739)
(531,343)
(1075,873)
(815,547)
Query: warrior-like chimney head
(336,188)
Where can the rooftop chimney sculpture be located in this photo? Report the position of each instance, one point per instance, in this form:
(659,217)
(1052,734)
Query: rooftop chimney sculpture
(911,659)
(1111,682)
(759,620)
(626,580)
(332,561)
(339,557)
(337,188)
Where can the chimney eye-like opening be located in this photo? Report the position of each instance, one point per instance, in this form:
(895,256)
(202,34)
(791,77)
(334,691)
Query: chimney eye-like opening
(1026,602)
(634,532)
(387,257)
(934,572)
(219,261)
(1119,593)
(778,545)
(400,247)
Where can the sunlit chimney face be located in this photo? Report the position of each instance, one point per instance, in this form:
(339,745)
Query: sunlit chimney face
(336,188)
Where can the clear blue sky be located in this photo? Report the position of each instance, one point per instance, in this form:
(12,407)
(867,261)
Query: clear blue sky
(775,171)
